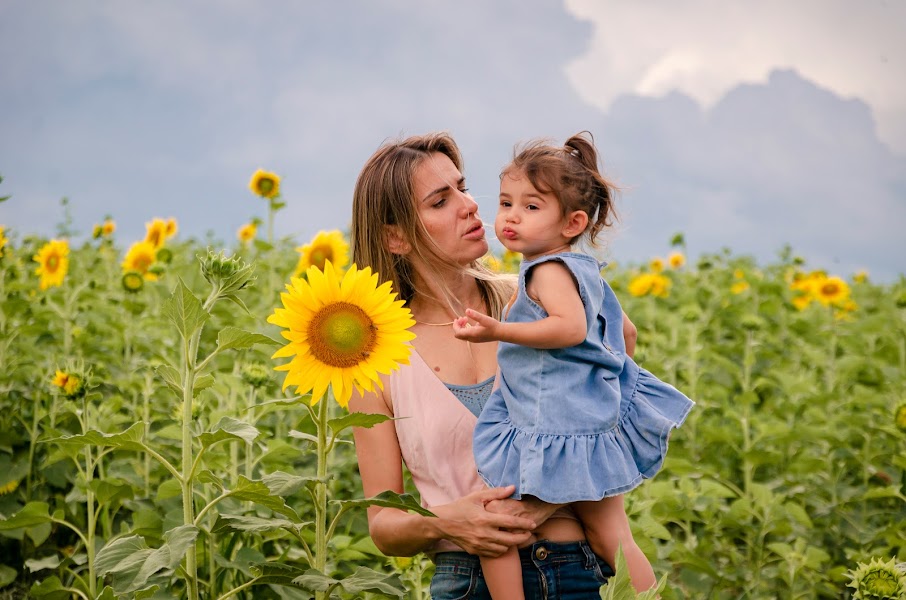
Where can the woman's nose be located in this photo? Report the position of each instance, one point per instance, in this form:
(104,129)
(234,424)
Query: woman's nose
(468,203)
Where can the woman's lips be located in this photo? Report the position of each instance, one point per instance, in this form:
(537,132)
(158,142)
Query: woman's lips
(476,233)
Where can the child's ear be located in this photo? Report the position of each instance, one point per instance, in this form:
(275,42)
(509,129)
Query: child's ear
(576,222)
(395,240)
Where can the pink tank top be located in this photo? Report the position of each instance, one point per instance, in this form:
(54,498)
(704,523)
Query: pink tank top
(435,436)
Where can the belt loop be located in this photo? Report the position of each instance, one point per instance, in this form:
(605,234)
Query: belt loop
(590,559)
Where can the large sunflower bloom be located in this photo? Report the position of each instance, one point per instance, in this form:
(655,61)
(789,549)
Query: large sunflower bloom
(831,291)
(342,333)
(327,246)
(139,258)
(53,263)
(265,184)
(156,232)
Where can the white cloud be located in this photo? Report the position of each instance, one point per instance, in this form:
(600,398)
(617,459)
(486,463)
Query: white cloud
(705,48)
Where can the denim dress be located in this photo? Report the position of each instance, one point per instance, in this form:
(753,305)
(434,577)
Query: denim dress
(577,423)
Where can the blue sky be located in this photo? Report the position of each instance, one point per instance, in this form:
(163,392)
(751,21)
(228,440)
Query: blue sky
(744,125)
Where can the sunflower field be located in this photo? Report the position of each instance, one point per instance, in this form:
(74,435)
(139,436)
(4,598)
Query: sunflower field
(148,448)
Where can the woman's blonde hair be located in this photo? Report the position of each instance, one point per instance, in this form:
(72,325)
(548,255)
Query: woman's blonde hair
(385,195)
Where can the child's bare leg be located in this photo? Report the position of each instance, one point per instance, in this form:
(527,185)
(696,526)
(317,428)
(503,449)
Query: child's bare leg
(503,574)
(607,527)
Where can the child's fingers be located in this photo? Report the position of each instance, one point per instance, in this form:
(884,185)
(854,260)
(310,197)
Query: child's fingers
(480,318)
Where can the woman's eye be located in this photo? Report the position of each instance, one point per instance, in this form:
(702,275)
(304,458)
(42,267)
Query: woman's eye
(440,203)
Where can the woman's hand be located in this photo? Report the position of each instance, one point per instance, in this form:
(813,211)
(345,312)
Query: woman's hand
(477,530)
(529,507)
(476,327)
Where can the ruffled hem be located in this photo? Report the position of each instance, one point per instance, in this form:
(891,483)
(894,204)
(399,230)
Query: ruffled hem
(570,468)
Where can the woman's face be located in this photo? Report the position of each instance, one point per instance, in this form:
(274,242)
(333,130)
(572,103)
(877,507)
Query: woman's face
(447,210)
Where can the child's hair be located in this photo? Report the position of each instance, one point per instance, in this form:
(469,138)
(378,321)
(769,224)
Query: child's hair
(569,172)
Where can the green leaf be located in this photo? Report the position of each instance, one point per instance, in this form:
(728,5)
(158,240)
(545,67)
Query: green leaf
(107,594)
(148,592)
(51,588)
(233,338)
(301,435)
(129,440)
(169,488)
(171,377)
(51,561)
(883,492)
(249,524)
(228,429)
(202,382)
(206,476)
(7,575)
(132,563)
(356,419)
(121,555)
(284,484)
(185,311)
(390,499)
(112,488)
(362,580)
(258,492)
(619,587)
(33,513)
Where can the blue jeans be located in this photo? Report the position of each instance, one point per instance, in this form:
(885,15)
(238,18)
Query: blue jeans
(549,572)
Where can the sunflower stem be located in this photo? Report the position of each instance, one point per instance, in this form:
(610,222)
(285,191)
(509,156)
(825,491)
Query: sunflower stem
(320,558)
(187,465)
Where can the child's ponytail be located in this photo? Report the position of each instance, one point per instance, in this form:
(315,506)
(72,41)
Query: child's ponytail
(598,196)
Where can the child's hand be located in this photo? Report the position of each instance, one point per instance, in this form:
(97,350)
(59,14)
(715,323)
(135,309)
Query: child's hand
(476,327)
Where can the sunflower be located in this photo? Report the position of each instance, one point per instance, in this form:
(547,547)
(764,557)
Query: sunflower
(656,264)
(660,286)
(676,260)
(265,184)
(860,276)
(877,580)
(139,258)
(3,239)
(327,246)
(831,291)
(156,232)
(247,233)
(801,302)
(739,287)
(342,332)
(108,227)
(640,284)
(53,261)
(170,228)
(133,281)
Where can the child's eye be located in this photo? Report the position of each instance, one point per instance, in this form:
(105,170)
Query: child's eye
(532,207)
(505,203)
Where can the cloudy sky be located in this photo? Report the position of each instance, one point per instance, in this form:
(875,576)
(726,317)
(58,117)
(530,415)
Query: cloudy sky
(744,125)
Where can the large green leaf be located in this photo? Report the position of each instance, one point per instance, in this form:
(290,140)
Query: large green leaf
(363,579)
(128,440)
(184,310)
(285,484)
(32,514)
(619,587)
(250,524)
(50,589)
(390,499)
(112,488)
(259,493)
(233,338)
(132,563)
(357,419)
(171,377)
(228,429)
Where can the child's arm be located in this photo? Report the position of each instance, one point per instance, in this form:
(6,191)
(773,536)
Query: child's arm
(565,326)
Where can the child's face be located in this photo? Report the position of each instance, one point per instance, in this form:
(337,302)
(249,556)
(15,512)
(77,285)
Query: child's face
(529,221)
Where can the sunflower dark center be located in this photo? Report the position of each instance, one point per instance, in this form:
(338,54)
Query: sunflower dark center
(341,335)
(265,186)
(829,289)
(320,255)
(142,262)
(53,262)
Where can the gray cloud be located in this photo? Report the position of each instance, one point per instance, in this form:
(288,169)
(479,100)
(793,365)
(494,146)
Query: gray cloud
(103,107)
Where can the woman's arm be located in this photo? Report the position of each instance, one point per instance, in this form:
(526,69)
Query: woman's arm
(399,533)
(555,289)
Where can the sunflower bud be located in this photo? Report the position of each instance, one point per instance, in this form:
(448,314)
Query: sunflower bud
(164,255)
(751,322)
(133,282)
(256,375)
(878,580)
(71,382)
(228,273)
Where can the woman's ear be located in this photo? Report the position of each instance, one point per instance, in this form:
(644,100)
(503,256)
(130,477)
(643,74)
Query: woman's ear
(576,222)
(395,240)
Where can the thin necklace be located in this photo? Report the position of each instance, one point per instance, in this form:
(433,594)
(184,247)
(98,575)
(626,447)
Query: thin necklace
(434,324)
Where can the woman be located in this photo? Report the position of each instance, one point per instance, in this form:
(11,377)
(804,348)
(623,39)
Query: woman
(415,224)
